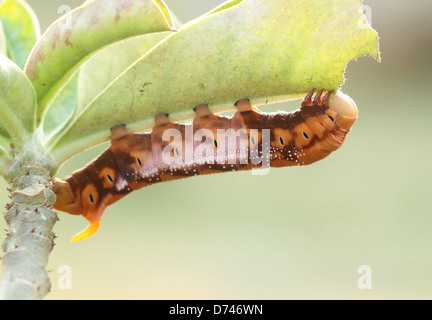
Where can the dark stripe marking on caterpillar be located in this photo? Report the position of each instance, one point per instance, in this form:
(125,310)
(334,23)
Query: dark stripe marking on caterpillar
(134,161)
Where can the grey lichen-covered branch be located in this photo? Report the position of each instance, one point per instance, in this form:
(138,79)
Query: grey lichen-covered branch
(30,218)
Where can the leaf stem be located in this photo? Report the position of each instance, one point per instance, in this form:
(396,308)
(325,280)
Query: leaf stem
(30,219)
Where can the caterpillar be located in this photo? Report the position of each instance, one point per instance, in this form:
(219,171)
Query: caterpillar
(212,143)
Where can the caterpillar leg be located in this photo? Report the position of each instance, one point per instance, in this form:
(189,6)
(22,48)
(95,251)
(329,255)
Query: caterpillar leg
(118,132)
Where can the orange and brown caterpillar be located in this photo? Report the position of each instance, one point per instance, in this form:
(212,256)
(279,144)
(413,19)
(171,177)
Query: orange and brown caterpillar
(134,161)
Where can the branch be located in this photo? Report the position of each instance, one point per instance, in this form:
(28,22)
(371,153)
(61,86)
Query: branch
(31,219)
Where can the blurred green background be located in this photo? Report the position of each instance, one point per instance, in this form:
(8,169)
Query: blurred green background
(295,233)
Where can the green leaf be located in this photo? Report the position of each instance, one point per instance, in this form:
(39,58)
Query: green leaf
(224,6)
(264,50)
(93,78)
(106,66)
(3,48)
(165,11)
(78,35)
(21,28)
(61,110)
(5,154)
(221,7)
(17,103)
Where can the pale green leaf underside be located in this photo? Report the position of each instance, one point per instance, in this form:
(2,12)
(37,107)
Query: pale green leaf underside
(17,103)
(61,110)
(3,49)
(21,28)
(78,35)
(165,11)
(106,66)
(93,77)
(4,137)
(264,50)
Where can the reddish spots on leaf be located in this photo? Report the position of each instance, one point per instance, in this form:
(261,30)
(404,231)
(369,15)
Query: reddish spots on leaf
(67,40)
(54,40)
(95,17)
(95,20)
(68,43)
(122,7)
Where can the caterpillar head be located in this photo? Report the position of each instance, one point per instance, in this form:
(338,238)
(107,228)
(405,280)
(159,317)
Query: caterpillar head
(73,199)
(66,200)
(345,110)
(334,112)
(322,125)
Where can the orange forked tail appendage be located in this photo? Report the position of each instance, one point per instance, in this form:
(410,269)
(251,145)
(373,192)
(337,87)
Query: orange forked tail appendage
(91,229)
(94,215)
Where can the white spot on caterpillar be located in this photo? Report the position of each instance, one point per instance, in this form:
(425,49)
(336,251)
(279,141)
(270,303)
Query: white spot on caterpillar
(150,172)
(121,184)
